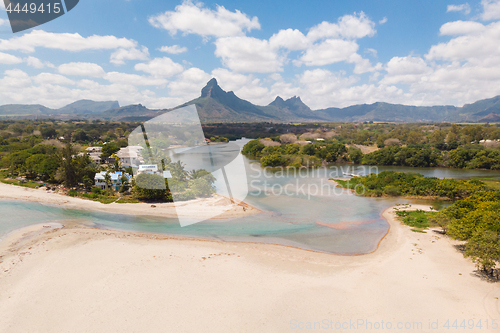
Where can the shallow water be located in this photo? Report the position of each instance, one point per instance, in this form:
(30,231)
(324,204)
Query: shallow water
(300,209)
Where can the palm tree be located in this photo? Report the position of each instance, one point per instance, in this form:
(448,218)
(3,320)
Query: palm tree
(178,172)
(107,179)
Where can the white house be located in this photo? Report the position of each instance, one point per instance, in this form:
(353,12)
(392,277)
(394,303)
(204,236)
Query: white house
(148,168)
(116,179)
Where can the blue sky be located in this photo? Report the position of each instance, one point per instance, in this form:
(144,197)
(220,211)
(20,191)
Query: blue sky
(331,53)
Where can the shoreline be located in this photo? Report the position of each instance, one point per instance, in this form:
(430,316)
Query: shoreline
(76,278)
(215,207)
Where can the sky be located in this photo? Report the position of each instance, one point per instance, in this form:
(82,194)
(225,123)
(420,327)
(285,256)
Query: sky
(161,53)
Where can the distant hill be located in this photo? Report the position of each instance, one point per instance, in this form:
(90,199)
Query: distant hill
(216,105)
(389,113)
(81,108)
(134,112)
(13,110)
(491,118)
(479,109)
(86,106)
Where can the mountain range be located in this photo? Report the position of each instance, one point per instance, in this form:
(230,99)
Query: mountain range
(216,105)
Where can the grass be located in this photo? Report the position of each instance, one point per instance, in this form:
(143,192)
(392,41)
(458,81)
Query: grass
(128,198)
(418,219)
(102,198)
(490,182)
(28,183)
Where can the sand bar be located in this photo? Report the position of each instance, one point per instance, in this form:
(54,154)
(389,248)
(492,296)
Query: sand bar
(78,279)
(215,207)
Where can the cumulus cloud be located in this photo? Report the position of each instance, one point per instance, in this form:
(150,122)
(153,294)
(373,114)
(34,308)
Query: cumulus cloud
(160,67)
(328,52)
(9,59)
(464,8)
(50,78)
(248,55)
(188,84)
(34,62)
(491,10)
(64,41)
(119,56)
(382,21)
(348,26)
(470,45)
(405,70)
(174,49)
(291,39)
(461,28)
(194,18)
(81,69)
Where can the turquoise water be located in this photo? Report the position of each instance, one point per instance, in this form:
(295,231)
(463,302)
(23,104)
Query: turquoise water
(300,209)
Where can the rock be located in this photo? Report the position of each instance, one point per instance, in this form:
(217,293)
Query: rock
(153,206)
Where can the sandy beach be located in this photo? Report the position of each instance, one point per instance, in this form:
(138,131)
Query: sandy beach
(77,279)
(215,207)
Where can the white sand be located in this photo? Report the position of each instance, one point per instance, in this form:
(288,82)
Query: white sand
(84,280)
(215,207)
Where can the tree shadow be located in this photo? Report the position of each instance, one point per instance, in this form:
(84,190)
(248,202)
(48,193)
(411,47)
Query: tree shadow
(490,277)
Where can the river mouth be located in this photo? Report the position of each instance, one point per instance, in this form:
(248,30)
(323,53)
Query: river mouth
(300,209)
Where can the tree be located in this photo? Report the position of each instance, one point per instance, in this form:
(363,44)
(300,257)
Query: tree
(87,182)
(48,132)
(484,249)
(178,172)
(109,149)
(107,179)
(124,183)
(253,148)
(273,160)
(80,135)
(151,187)
(66,171)
(73,167)
(355,155)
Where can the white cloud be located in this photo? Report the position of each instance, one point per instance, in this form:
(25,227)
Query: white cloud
(134,79)
(348,26)
(469,46)
(461,28)
(248,55)
(64,41)
(382,21)
(362,65)
(81,69)
(119,56)
(491,10)
(34,62)
(49,78)
(160,67)
(290,39)
(328,52)
(174,49)
(405,70)
(15,79)
(193,18)
(231,80)
(188,84)
(9,59)
(464,8)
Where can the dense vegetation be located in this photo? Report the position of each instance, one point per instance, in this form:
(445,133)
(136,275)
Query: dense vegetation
(33,153)
(474,147)
(391,183)
(473,217)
